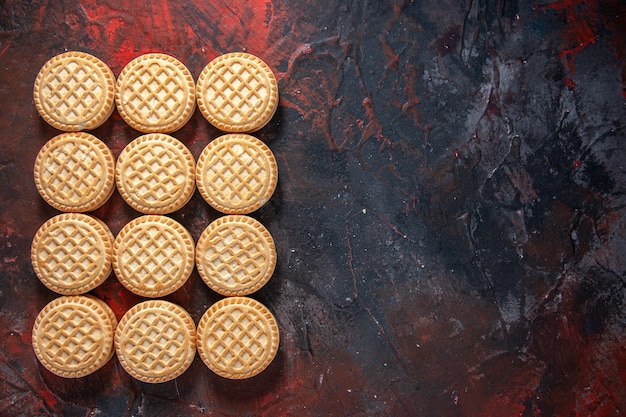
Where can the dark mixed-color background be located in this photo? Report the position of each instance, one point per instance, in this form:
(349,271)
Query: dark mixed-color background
(450,217)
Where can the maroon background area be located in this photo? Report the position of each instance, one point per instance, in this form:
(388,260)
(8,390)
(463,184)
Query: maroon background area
(450,215)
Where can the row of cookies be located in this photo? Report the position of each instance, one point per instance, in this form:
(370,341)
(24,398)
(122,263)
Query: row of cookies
(155,173)
(156,93)
(152,255)
(156,340)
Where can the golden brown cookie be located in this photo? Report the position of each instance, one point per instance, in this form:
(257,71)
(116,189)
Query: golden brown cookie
(153,256)
(71,253)
(75,172)
(155,341)
(74,91)
(73,335)
(236,173)
(155,174)
(237,337)
(155,93)
(237,92)
(235,255)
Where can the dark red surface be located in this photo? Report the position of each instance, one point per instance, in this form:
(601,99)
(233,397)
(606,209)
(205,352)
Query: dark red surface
(449,219)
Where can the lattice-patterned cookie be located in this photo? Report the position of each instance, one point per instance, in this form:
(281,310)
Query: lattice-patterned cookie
(75,91)
(155,341)
(73,335)
(71,253)
(237,92)
(155,174)
(153,256)
(236,173)
(237,337)
(235,255)
(75,172)
(155,93)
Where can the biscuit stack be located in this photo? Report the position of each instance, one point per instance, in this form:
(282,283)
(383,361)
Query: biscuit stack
(153,255)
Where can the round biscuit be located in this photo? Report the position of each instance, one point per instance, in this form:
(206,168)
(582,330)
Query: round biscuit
(237,337)
(155,174)
(73,335)
(235,255)
(236,173)
(74,91)
(75,172)
(71,253)
(153,256)
(155,341)
(155,93)
(237,92)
